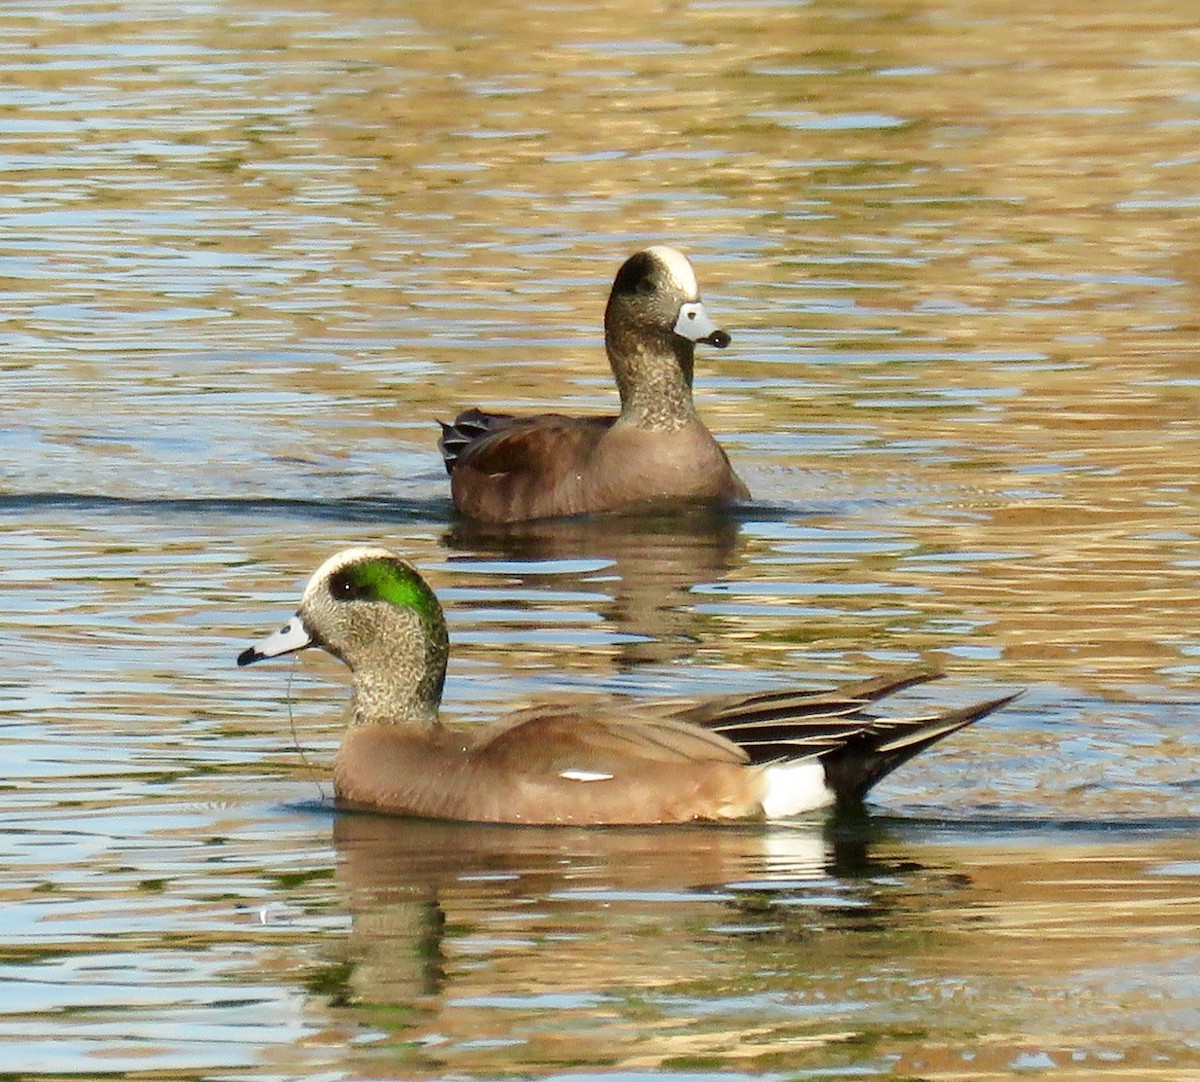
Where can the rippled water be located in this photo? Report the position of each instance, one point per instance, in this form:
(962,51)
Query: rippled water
(250,252)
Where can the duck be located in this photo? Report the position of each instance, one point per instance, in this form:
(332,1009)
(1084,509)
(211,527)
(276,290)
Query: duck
(505,468)
(760,756)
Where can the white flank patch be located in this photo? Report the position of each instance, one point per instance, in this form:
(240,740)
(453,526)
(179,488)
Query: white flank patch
(585,775)
(678,269)
(795,788)
(341,559)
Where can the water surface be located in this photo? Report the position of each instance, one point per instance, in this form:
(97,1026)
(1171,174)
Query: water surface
(250,252)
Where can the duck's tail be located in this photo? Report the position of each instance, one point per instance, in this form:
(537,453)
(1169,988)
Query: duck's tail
(852,769)
(856,749)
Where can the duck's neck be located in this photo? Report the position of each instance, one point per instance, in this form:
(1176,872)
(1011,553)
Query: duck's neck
(376,699)
(655,385)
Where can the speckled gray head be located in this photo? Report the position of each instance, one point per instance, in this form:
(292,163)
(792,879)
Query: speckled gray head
(361,572)
(666,271)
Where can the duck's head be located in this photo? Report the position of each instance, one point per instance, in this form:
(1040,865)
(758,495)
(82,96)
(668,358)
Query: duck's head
(655,294)
(655,318)
(372,610)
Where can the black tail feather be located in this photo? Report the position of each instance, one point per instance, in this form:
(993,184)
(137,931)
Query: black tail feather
(857,748)
(853,769)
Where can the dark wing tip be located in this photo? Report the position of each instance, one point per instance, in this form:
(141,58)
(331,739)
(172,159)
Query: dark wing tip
(470,425)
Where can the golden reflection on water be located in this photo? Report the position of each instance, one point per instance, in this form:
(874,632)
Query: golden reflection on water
(756,951)
(947,244)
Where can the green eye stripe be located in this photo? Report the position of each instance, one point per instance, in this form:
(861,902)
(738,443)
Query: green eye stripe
(384,580)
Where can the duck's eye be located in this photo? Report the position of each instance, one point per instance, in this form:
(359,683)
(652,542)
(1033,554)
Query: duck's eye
(343,588)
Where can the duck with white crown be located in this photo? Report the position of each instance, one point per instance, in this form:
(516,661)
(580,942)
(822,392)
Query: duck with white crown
(505,468)
(770,755)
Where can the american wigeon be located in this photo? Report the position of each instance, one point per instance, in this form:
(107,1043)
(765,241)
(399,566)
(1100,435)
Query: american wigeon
(770,755)
(510,469)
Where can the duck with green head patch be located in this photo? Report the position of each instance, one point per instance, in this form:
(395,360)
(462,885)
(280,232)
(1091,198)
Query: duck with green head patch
(657,450)
(770,755)
(371,610)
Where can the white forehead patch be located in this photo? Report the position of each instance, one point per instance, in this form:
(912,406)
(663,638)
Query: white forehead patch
(341,559)
(679,270)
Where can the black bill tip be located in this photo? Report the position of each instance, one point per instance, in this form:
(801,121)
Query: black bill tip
(720,339)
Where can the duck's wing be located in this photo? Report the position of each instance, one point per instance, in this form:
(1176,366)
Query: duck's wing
(504,440)
(558,739)
(793,724)
(504,468)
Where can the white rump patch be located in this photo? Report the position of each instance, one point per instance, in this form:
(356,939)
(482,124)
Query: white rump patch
(585,775)
(679,270)
(795,788)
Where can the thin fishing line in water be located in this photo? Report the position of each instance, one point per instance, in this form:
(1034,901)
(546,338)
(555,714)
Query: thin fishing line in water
(312,770)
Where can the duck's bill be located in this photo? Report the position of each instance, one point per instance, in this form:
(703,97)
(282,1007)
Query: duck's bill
(694,323)
(287,640)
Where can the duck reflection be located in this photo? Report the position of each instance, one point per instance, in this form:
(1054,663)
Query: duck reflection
(657,558)
(479,912)
(500,952)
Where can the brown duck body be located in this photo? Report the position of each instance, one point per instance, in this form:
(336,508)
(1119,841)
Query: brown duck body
(552,465)
(548,766)
(771,755)
(511,469)
(766,756)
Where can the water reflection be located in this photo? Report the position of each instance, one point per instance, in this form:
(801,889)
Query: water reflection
(648,565)
(488,933)
(828,947)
